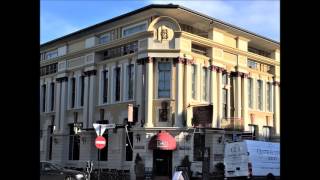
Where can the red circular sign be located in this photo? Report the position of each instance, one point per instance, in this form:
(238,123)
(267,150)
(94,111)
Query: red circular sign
(100,142)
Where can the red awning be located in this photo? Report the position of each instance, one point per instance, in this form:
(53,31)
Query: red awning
(163,141)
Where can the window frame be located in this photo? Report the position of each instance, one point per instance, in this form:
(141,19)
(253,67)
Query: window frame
(52,96)
(117,78)
(205,84)
(250,93)
(44,94)
(105,35)
(165,81)
(105,86)
(259,95)
(194,81)
(132,27)
(130,80)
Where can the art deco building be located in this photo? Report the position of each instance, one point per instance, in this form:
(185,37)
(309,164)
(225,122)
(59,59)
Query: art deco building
(195,83)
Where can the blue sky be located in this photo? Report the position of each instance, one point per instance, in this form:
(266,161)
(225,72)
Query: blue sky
(62,17)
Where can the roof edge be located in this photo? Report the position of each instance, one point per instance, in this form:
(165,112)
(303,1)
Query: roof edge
(110,21)
(157,6)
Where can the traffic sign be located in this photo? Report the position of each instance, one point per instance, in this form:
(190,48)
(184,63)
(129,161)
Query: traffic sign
(100,142)
(130,112)
(100,128)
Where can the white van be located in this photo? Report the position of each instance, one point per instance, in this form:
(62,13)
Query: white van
(252,159)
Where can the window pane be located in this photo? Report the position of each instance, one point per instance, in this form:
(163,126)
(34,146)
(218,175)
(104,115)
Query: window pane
(164,78)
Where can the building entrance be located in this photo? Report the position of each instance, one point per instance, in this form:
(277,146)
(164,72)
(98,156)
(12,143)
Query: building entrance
(162,164)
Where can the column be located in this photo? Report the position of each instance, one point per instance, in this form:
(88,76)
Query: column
(62,94)
(214,96)
(58,106)
(245,97)
(220,98)
(237,95)
(149,93)
(264,102)
(63,104)
(92,97)
(179,94)
(78,93)
(254,94)
(187,92)
(277,107)
(138,90)
(86,103)
(48,98)
(228,95)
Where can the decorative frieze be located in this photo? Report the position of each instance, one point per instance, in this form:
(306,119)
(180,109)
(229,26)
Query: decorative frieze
(144,60)
(62,79)
(185,61)
(237,74)
(217,69)
(89,73)
(276,83)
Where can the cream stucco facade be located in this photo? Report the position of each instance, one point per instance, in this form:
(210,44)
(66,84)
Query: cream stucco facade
(199,58)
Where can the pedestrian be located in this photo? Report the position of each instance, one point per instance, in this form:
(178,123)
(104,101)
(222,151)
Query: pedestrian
(139,168)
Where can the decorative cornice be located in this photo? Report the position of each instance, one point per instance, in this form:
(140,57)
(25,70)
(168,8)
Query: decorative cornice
(62,79)
(217,69)
(149,60)
(144,60)
(90,73)
(245,75)
(276,83)
(179,60)
(239,74)
(184,61)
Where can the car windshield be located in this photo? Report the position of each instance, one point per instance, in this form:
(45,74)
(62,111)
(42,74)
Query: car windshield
(56,166)
(52,166)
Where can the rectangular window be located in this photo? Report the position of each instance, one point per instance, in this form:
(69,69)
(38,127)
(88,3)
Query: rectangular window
(259,94)
(205,84)
(82,90)
(164,78)
(117,83)
(224,102)
(269,96)
(134,29)
(194,77)
(129,152)
(267,133)
(101,114)
(250,93)
(130,75)
(74,144)
(163,115)
(51,54)
(52,97)
(73,92)
(105,86)
(50,129)
(224,78)
(104,151)
(44,98)
(105,38)
(254,130)
(252,64)
(198,146)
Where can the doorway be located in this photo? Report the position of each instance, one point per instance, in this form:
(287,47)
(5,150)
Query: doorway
(162,163)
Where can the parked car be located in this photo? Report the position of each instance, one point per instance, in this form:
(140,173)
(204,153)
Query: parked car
(51,171)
